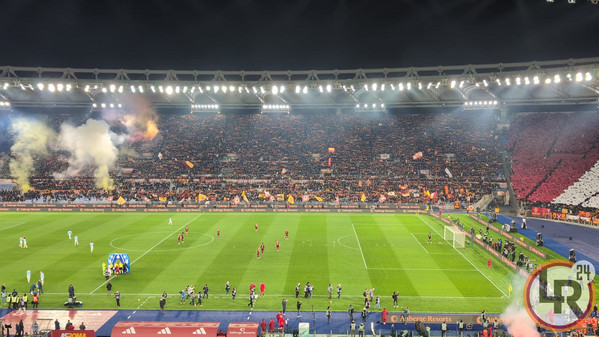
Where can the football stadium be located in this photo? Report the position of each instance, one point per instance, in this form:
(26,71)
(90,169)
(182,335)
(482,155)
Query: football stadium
(453,200)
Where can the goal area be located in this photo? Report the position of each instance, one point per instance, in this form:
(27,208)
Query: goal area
(454,236)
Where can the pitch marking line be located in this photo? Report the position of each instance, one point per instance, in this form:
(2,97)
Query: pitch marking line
(149,250)
(344,245)
(9,222)
(287,295)
(496,286)
(359,246)
(423,269)
(419,243)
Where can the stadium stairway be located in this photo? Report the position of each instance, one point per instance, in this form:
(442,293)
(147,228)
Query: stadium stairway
(556,236)
(339,321)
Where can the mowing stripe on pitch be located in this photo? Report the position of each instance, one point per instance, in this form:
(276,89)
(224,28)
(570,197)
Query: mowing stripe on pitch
(149,250)
(483,274)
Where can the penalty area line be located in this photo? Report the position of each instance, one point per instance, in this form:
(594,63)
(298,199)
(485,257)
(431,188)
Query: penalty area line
(464,256)
(149,250)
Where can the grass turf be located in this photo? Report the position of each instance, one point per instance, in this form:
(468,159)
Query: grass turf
(387,252)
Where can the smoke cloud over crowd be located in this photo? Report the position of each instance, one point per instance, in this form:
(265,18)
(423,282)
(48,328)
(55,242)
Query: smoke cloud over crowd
(92,148)
(31,140)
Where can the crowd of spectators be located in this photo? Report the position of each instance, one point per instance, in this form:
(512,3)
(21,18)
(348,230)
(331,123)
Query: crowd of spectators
(551,152)
(292,154)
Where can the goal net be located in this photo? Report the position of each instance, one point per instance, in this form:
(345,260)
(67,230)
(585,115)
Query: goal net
(454,236)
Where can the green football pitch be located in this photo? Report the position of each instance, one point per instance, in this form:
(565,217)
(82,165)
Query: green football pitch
(388,252)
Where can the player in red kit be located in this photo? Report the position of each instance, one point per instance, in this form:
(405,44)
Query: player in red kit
(182,237)
(277,245)
(262,247)
(218,233)
(258,253)
(179,239)
(256,228)
(186,230)
(489,262)
(286,234)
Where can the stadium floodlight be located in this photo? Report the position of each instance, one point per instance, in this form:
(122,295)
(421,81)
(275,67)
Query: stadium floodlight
(111,105)
(400,86)
(51,87)
(120,89)
(320,89)
(526,80)
(275,90)
(192,89)
(153,89)
(231,88)
(104,90)
(508,82)
(366,86)
(518,80)
(571,1)
(161,89)
(557,79)
(297,89)
(498,82)
(262,90)
(383,87)
(223,89)
(239,89)
(548,80)
(305,90)
(95,105)
(438,85)
(370,107)
(276,108)
(169,90)
(329,88)
(103,105)
(112,88)
(40,86)
(461,84)
(587,76)
(254,90)
(133,89)
(215,88)
(485,83)
(419,85)
(5,85)
(578,77)
(392,86)
(429,85)
(59,87)
(68,87)
(200,89)
(177,89)
(535,79)
(452,84)
(205,108)
(184,89)
(374,86)
(282,89)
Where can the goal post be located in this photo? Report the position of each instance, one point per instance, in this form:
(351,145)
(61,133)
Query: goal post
(454,236)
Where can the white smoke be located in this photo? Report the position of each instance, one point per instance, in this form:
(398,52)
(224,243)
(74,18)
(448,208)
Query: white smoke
(91,146)
(515,317)
(31,139)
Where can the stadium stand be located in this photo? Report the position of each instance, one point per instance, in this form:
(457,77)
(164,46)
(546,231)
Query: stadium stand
(287,154)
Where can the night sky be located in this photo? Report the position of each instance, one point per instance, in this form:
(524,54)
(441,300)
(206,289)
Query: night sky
(296,35)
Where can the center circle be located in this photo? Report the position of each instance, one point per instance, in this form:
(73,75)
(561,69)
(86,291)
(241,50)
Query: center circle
(197,240)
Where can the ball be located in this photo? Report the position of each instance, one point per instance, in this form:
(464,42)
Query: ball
(330,301)
(139,299)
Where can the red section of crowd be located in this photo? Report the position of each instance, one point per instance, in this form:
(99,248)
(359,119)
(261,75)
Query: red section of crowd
(550,152)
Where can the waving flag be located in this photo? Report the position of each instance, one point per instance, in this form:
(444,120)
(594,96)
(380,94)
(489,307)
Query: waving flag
(363,198)
(319,199)
(417,155)
(290,199)
(245,198)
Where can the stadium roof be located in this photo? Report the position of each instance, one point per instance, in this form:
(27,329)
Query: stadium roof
(573,81)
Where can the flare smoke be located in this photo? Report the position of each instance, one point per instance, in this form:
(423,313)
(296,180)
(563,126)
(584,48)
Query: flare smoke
(31,139)
(91,145)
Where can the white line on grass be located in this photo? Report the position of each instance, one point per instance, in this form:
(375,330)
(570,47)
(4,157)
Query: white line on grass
(149,250)
(496,286)
(419,243)
(422,269)
(286,295)
(359,246)
(17,224)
